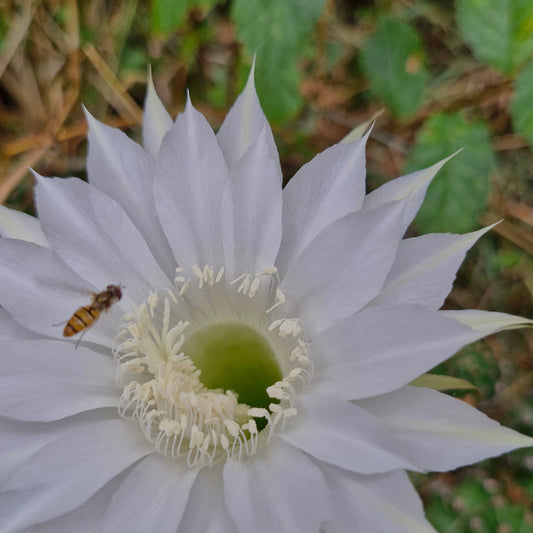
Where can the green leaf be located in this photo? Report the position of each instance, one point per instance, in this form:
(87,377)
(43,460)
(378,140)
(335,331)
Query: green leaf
(278,32)
(522,104)
(500,32)
(458,194)
(169,15)
(392,59)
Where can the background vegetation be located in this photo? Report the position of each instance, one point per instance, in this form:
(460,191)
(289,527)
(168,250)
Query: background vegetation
(443,75)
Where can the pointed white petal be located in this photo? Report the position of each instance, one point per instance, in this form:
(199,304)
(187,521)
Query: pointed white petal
(52,291)
(381,349)
(363,128)
(156,120)
(342,434)
(93,235)
(18,225)
(84,380)
(438,432)
(425,267)
(441,382)
(251,211)
(190,174)
(68,471)
(380,503)
(120,168)
(344,267)
(488,322)
(157,485)
(243,125)
(10,329)
(327,188)
(280,490)
(412,186)
(207,493)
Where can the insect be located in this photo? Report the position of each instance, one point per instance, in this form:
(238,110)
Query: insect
(86,316)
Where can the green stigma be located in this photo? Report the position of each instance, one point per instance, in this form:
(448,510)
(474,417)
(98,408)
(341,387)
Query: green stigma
(234,356)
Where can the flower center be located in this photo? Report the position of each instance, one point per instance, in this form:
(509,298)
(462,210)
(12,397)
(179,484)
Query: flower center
(210,367)
(234,357)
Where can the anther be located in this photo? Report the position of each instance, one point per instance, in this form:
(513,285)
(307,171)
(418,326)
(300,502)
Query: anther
(258,412)
(245,285)
(232,427)
(256,283)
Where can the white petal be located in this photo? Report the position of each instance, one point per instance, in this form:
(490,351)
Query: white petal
(344,267)
(120,168)
(381,503)
(243,125)
(10,329)
(425,268)
(381,349)
(18,225)
(48,380)
(190,174)
(93,235)
(279,490)
(488,322)
(160,488)
(68,471)
(412,186)
(20,440)
(52,291)
(251,211)
(327,188)
(438,432)
(87,518)
(156,120)
(207,493)
(344,435)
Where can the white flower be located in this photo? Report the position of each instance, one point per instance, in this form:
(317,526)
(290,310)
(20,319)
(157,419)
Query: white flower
(255,375)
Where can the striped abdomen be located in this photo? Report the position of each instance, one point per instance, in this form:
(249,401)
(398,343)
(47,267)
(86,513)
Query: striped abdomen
(80,320)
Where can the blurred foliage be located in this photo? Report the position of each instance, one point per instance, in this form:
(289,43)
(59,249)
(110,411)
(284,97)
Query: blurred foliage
(167,16)
(458,195)
(504,39)
(522,104)
(448,75)
(392,60)
(479,504)
(281,36)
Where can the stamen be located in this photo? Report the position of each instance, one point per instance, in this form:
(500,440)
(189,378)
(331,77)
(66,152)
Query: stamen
(220,274)
(197,272)
(256,283)
(245,285)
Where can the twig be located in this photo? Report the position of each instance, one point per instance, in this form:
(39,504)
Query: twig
(125,101)
(31,158)
(507,230)
(19,28)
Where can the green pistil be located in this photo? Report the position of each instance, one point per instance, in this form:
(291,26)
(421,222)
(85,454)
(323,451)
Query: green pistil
(235,357)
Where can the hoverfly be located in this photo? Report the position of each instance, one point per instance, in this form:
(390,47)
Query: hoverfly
(86,316)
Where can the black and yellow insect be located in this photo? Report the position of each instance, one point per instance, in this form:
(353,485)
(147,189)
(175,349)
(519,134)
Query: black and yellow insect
(86,316)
